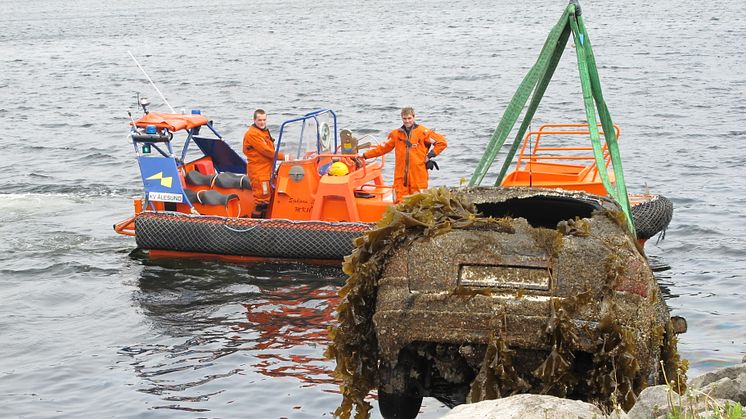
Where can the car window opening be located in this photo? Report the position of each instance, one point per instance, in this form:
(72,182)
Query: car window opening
(539,211)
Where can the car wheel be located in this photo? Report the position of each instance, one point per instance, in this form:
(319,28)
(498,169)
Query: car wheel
(399,406)
(399,390)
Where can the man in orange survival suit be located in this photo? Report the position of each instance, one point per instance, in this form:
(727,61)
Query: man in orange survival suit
(259,147)
(411,143)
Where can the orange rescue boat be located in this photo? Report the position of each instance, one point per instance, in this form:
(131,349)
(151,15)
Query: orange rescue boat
(201,207)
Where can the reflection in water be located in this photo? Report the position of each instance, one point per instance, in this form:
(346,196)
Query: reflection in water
(658,265)
(222,327)
(289,317)
(662,271)
(219,330)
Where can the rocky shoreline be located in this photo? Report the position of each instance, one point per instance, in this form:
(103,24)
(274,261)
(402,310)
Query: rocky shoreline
(705,393)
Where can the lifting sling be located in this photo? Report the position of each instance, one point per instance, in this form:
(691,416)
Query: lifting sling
(534,84)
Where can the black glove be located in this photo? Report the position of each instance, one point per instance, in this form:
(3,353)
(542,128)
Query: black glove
(430,163)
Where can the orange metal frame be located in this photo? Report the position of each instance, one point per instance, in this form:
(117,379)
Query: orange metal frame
(555,166)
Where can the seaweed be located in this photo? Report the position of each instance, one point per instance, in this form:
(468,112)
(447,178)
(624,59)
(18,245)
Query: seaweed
(497,376)
(605,372)
(354,345)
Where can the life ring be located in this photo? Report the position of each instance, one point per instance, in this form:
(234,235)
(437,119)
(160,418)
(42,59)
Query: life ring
(652,216)
(325,137)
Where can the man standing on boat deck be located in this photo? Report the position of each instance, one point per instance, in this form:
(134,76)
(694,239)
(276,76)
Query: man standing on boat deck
(259,147)
(412,144)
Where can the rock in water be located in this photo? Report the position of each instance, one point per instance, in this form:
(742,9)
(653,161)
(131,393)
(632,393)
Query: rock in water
(525,406)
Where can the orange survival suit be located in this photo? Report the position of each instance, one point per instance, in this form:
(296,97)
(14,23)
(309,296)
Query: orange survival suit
(411,153)
(259,147)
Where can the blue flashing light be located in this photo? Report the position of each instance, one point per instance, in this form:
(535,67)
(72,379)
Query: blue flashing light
(196,112)
(150,129)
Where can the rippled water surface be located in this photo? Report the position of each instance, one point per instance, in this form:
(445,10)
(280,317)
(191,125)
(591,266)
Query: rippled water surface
(91,329)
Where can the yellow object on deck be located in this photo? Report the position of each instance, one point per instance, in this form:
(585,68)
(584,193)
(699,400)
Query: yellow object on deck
(339,169)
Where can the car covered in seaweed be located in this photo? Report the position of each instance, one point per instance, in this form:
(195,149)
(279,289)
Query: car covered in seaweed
(474,294)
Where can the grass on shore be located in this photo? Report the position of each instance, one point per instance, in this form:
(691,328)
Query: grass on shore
(696,404)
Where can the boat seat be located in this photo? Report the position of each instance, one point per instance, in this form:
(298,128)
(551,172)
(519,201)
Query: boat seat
(231,180)
(196,178)
(205,167)
(209,197)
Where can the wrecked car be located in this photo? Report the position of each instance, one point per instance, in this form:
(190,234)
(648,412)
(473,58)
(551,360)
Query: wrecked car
(474,294)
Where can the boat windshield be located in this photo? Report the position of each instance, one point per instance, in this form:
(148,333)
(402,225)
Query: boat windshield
(313,133)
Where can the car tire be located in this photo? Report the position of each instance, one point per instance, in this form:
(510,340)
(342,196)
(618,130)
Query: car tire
(399,393)
(399,406)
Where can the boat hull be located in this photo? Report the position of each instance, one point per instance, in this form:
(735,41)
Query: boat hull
(263,238)
(177,234)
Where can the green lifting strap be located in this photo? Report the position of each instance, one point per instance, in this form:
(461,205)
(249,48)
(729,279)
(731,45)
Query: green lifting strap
(518,101)
(593,84)
(534,84)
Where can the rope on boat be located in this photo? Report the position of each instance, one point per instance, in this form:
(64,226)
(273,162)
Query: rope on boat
(286,222)
(151,82)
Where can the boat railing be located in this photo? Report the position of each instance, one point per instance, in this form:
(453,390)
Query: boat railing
(126,227)
(533,154)
(375,189)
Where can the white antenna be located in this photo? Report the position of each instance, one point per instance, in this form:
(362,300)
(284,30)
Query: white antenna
(151,82)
